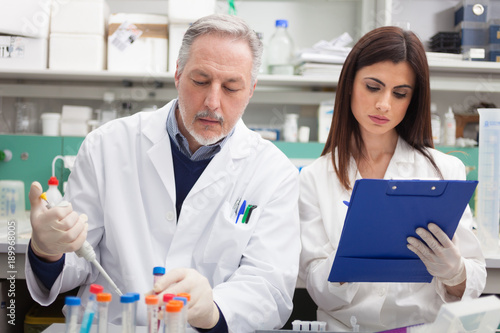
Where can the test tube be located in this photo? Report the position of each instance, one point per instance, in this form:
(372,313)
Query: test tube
(73,305)
(152,308)
(166,298)
(137,298)
(183,312)
(158,272)
(103,300)
(174,317)
(128,322)
(91,308)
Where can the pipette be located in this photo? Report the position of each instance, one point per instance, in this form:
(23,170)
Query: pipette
(87,252)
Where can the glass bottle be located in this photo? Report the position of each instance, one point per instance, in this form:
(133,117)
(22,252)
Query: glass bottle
(280,51)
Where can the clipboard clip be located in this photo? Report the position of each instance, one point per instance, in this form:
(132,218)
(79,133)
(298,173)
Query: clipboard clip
(416,188)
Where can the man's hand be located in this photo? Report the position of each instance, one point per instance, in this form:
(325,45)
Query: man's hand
(55,231)
(439,254)
(202,311)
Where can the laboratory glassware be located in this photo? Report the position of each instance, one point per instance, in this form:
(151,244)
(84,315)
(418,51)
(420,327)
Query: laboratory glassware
(73,308)
(152,310)
(128,320)
(91,308)
(103,300)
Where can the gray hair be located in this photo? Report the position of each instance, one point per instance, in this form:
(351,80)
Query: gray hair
(222,25)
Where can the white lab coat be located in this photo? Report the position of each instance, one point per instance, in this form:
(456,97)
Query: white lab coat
(123,180)
(376,306)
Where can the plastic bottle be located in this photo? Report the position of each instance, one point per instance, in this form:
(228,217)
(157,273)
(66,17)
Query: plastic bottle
(280,51)
(103,300)
(450,128)
(291,127)
(435,125)
(108,110)
(53,194)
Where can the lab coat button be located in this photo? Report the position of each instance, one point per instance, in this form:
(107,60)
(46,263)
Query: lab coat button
(170,216)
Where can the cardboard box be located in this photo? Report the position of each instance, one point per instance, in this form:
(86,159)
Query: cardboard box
(28,18)
(137,43)
(79,17)
(23,53)
(77,52)
(176,32)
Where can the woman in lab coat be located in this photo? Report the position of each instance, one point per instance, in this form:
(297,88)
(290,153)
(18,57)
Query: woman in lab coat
(381,128)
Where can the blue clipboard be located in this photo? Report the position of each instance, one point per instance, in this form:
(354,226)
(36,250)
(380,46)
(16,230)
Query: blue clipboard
(382,214)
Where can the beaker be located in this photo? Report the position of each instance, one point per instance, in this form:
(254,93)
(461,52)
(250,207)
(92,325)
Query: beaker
(26,119)
(488,190)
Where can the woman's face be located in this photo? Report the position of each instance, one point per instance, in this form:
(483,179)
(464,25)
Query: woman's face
(380,96)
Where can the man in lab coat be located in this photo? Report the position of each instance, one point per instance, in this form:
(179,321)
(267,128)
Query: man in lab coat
(188,187)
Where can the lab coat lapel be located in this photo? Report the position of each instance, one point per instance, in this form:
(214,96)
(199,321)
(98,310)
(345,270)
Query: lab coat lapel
(402,164)
(160,153)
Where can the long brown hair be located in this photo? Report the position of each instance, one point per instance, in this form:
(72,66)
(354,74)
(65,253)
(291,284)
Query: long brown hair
(381,44)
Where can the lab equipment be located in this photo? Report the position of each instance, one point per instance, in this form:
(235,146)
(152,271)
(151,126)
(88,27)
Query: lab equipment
(488,192)
(158,272)
(166,298)
(51,123)
(308,326)
(91,308)
(25,117)
(137,298)
(183,311)
(291,127)
(450,128)
(103,300)
(374,214)
(53,194)
(152,310)
(128,320)
(280,52)
(173,321)
(73,308)
(87,252)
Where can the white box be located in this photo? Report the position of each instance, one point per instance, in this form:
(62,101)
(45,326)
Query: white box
(23,52)
(176,32)
(325,115)
(74,127)
(79,17)
(29,18)
(76,112)
(77,52)
(188,11)
(137,43)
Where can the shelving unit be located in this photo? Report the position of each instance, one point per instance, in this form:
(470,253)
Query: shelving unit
(451,76)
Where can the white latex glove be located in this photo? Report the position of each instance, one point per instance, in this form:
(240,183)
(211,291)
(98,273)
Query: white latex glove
(56,230)
(202,310)
(439,254)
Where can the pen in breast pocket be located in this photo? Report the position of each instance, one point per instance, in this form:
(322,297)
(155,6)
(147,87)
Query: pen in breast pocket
(241,211)
(235,206)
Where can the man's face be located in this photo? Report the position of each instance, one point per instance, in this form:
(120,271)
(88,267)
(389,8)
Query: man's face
(214,89)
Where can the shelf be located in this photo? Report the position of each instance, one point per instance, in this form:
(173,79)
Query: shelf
(457,76)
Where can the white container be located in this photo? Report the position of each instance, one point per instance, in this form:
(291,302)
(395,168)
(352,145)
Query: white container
(280,50)
(488,191)
(325,115)
(435,125)
(138,43)
(79,17)
(23,53)
(304,132)
(53,194)
(188,11)
(50,124)
(450,128)
(291,127)
(26,120)
(28,18)
(77,52)
(12,204)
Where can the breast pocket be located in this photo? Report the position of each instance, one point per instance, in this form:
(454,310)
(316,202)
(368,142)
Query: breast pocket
(228,239)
